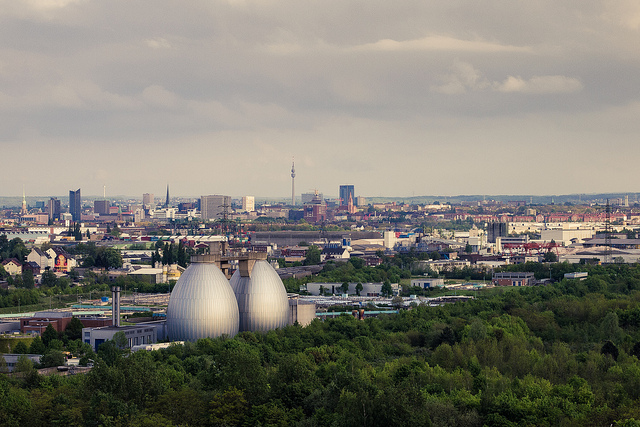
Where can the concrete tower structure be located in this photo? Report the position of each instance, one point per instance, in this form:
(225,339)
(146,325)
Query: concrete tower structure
(166,203)
(24,202)
(293,182)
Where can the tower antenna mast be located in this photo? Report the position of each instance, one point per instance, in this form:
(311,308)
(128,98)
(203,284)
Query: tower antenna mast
(607,235)
(293,182)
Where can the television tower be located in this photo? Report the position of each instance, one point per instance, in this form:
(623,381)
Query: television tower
(607,235)
(24,202)
(293,182)
(166,203)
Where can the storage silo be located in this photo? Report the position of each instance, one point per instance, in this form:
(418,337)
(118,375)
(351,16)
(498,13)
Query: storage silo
(262,298)
(202,304)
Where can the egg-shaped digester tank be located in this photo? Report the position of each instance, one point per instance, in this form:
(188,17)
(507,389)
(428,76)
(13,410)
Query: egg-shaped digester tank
(202,305)
(262,298)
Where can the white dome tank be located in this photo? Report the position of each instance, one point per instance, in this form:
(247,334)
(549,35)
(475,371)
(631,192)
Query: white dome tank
(202,305)
(262,299)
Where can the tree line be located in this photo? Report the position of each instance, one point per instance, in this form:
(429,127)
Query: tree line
(563,354)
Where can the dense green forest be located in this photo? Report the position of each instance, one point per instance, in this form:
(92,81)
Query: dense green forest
(564,354)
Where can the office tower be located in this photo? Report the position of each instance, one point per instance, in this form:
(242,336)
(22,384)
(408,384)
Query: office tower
(346,192)
(248,204)
(101,207)
(147,200)
(213,207)
(361,201)
(53,207)
(75,204)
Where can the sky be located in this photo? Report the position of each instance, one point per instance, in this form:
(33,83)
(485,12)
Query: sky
(398,98)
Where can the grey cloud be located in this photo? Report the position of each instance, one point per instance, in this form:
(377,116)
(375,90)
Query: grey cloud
(347,87)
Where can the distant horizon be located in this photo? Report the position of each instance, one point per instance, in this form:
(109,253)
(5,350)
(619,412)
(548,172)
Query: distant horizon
(478,197)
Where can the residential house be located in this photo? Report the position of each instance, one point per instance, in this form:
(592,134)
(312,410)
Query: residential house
(334,253)
(12,266)
(40,257)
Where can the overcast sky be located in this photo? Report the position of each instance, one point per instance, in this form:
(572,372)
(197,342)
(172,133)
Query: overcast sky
(398,98)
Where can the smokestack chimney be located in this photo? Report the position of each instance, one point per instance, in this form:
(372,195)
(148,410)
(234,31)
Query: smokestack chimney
(115,306)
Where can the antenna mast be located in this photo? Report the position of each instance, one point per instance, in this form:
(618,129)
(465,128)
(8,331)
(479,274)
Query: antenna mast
(293,182)
(607,235)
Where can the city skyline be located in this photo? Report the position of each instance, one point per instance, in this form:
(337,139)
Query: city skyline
(472,98)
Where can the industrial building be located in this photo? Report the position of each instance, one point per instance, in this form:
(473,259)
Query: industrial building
(205,304)
(141,333)
(427,283)
(136,334)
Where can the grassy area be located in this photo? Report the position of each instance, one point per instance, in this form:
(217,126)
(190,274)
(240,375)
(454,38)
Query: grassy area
(53,302)
(29,308)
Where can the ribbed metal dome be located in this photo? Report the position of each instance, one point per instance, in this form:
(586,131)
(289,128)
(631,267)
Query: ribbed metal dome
(202,305)
(262,299)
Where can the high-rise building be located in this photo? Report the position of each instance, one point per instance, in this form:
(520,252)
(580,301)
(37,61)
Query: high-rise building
(101,207)
(316,210)
(166,203)
(147,200)
(75,204)
(53,207)
(248,203)
(361,201)
(213,207)
(346,192)
(310,197)
(496,229)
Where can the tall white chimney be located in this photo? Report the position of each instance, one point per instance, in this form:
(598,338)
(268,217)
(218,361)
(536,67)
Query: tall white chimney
(115,306)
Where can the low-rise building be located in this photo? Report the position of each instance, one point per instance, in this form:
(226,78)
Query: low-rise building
(334,253)
(513,279)
(12,266)
(12,359)
(40,320)
(136,334)
(368,289)
(427,283)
